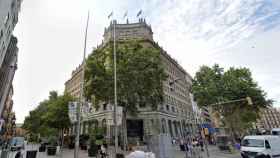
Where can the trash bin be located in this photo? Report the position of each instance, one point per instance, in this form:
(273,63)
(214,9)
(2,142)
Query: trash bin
(119,155)
(31,154)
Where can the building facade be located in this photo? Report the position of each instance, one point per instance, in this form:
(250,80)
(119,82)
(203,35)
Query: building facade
(270,118)
(9,126)
(174,116)
(73,85)
(9,10)
(7,72)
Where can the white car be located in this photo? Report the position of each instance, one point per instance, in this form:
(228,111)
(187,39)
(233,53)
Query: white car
(260,146)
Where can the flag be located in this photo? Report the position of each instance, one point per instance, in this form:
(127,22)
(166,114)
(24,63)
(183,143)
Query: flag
(139,13)
(109,16)
(125,14)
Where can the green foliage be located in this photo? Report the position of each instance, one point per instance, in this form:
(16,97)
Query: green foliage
(214,85)
(139,75)
(50,116)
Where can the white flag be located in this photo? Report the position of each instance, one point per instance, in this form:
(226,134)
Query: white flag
(109,16)
(139,13)
(125,15)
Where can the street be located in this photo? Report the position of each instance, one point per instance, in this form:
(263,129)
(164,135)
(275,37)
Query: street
(213,151)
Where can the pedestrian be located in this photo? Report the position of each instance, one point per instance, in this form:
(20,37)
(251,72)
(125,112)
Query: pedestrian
(173,141)
(200,142)
(182,146)
(103,151)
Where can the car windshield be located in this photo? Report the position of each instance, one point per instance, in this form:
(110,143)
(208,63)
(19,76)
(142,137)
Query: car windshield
(252,143)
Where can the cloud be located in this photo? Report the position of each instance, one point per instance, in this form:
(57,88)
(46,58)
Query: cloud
(219,23)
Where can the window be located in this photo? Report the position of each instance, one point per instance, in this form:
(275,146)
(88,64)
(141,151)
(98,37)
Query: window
(1,34)
(173,109)
(6,19)
(167,107)
(104,106)
(252,143)
(267,146)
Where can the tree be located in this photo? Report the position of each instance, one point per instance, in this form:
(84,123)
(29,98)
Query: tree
(50,116)
(140,75)
(214,85)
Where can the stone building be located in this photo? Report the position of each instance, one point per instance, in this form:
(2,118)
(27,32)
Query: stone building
(7,72)
(73,85)
(172,117)
(9,10)
(270,118)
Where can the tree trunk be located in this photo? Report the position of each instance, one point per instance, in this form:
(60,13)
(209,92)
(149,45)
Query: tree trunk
(62,141)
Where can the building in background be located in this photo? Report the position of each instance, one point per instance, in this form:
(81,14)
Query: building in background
(19,131)
(73,85)
(174,116)
(197,115)
(270,118)
(9,10)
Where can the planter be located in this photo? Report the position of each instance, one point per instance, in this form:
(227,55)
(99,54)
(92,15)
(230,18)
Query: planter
(42,148)
(71,146)
(31,154)
(51,150)
(92,151)
(119,155)
(83,147)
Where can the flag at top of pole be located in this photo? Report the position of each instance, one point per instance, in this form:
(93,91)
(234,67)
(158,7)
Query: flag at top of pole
(125,15)
(109,16)
(139,13)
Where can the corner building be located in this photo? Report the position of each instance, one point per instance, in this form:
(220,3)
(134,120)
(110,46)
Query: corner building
(172,117)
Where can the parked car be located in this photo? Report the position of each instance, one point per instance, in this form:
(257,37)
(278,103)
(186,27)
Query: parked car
(260,146)
(17,143)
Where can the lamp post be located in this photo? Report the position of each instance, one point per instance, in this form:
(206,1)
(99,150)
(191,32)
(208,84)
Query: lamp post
(76,154)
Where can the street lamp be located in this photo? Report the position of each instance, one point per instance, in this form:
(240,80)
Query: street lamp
(76,154)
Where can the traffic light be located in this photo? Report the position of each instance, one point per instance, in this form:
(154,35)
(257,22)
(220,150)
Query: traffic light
(249,100)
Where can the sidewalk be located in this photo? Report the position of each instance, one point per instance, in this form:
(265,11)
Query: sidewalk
(214,152)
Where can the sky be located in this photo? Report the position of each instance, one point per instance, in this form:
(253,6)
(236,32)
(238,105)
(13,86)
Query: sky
(239,33)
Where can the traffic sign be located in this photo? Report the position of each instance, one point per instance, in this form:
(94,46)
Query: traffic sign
(72,111)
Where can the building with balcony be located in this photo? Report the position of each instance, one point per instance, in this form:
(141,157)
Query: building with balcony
(173,117)
(269,118)
(9,10)
(7,72)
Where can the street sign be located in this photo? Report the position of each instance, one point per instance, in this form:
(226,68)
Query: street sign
(72,111)
(119,116)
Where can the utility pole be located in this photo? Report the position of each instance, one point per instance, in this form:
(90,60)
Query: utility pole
(76,154)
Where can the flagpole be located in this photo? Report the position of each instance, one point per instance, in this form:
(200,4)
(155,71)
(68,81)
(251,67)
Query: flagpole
(76,152)
(115,88)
